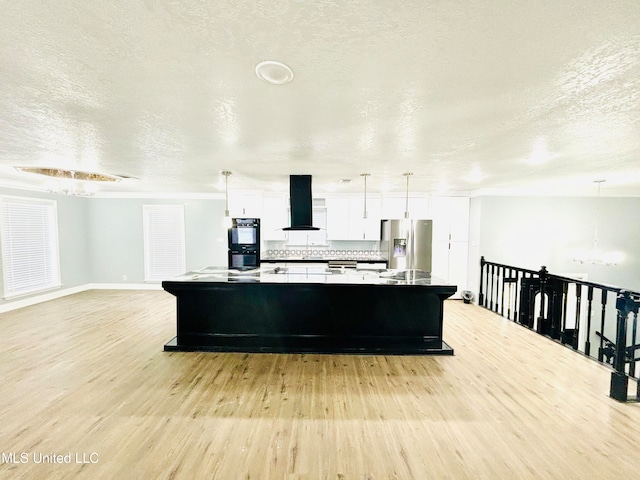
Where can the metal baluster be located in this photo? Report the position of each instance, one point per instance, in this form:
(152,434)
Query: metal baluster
(510,287)
(565,288)
(516,305)
(603,301)
(490,287)
(634,343)
(553,328)
(481,294)
(532,306)
(496,292)
(577,325)
(502,292)
(587,343)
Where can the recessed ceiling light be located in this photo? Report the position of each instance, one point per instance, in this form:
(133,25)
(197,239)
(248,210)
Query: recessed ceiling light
(274,72)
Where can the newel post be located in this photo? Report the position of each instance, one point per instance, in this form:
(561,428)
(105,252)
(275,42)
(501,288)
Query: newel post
(619,378)
(543,274)
(481,292)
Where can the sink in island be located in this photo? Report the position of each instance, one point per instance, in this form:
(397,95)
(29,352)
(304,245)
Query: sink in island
(309,310)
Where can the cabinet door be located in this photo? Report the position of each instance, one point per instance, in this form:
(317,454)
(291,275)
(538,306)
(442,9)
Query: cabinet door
(275,218)
(245,206)
(450,218)
(358,225)
(337,218)
(459,215)
(345,222)
(394,207)
(458,259)
(440,260)
(371,225)
(419,207)
(450,240)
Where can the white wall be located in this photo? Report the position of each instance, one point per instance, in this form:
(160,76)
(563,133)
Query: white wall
(530,232)
(116,236)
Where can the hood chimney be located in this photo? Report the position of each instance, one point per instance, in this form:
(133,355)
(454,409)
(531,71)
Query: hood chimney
(301,203)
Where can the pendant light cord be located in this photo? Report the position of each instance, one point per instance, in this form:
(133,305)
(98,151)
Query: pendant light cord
(406,206)
(595,235)
(364,211)
(226,192)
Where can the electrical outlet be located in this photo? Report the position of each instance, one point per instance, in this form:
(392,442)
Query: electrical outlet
(124,278)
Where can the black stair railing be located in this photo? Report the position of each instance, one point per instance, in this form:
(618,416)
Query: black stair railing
(576,313)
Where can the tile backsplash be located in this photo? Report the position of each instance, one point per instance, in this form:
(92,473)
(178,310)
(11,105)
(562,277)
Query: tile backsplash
(332,246)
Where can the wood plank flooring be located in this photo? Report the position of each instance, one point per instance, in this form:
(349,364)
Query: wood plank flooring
(86,375)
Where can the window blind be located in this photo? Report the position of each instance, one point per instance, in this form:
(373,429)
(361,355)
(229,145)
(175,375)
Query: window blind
(29,236)
(164,242)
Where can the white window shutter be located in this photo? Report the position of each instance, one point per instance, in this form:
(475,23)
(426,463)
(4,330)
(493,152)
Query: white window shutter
(164,242)
(29,235)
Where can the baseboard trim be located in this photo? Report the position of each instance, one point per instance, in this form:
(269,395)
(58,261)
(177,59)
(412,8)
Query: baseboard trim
(45,297)
(123,286)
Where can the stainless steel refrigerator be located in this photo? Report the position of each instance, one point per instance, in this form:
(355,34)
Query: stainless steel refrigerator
(407,243)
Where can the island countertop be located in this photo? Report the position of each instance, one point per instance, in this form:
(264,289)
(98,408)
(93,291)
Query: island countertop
(322,275)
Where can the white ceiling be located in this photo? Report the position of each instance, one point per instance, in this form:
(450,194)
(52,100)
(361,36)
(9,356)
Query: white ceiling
(469,96)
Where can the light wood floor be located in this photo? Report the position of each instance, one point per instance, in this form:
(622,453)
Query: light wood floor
(86,374)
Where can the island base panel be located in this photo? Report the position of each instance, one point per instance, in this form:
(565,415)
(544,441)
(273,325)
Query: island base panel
(310,344)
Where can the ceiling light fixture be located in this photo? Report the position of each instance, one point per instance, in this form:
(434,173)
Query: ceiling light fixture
(406,207)
(276,73)
(227,218)
(71,182)
(76,174)
(595,256)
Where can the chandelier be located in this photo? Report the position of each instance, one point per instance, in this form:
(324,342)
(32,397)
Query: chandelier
(596,256)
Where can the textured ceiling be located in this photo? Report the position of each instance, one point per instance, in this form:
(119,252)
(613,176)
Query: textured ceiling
(469,96)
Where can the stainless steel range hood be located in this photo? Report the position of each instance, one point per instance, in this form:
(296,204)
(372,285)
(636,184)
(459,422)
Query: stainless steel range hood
(301,203)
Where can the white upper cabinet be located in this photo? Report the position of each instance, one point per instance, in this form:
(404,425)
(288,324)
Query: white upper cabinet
(361,228)
(345,215)
(337,218)
(275,217)
(394,207)
(450,218)
(245,205)
(345,218)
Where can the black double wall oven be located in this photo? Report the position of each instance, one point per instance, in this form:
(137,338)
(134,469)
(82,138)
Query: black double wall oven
(244,243)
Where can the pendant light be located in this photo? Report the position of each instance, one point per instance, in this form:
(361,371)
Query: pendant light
(364,207)
(595,256)
(406,207)
(227,218)
(364,210)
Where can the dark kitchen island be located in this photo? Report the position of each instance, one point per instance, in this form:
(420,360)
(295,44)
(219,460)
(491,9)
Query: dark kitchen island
(309,310)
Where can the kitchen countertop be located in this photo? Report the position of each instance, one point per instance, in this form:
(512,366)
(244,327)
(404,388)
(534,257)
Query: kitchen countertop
(319,275)
(322,259)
